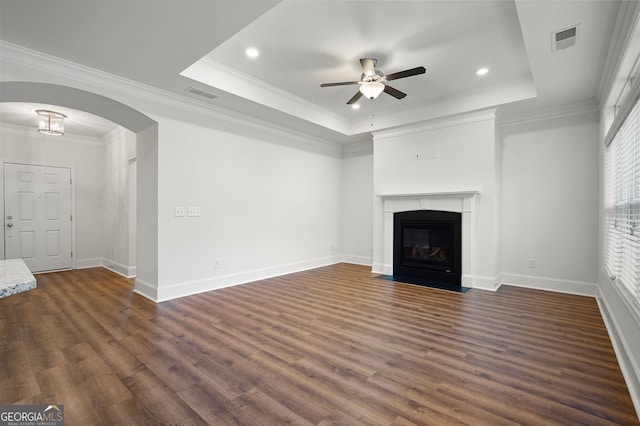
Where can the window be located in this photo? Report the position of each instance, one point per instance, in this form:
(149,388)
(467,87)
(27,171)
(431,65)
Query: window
(622,208)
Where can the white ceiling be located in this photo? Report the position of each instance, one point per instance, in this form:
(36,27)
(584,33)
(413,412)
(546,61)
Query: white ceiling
(77,122)
(173,45)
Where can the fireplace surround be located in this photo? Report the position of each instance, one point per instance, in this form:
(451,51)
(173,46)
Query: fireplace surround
(464,202)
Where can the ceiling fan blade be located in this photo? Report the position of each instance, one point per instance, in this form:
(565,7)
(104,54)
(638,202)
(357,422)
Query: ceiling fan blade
(369,66)
(394,92)
(406,73)
(343,83)
(355,98)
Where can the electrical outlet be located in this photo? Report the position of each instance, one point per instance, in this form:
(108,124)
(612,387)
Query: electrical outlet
(216,264)
(532,262)
(193,211)
(178,211)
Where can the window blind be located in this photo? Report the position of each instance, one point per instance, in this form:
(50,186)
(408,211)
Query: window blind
(622,208)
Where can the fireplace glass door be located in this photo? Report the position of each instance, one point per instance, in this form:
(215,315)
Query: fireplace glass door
(427,246)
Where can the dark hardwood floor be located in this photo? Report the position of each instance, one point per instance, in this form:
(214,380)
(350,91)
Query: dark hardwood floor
(334,345)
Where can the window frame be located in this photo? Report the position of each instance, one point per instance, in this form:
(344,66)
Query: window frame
(621,206)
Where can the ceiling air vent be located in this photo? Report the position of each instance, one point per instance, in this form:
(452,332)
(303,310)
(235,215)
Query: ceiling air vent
(564,38)
(198,92)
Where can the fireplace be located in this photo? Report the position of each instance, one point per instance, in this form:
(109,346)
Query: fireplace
(427,248)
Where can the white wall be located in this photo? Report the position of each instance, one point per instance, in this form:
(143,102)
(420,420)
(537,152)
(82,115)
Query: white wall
(117,201)
(455,154)
(85,156)
(266,207)
(147,213)
(270,199)
(538,193)
(357,206)
(549,209)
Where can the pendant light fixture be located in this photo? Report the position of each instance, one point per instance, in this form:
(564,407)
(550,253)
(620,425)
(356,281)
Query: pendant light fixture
(50,122)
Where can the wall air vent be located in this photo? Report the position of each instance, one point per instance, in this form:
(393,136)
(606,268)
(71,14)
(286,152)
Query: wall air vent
(199,92)
(565,38)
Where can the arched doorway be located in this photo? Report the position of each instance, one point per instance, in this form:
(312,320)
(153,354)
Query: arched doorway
(146,131)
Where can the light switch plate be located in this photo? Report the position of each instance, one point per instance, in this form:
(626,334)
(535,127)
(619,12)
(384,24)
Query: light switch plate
(193,211)
(178,211)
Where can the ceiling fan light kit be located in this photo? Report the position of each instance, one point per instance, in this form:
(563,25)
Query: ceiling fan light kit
(373,82)
(371,90)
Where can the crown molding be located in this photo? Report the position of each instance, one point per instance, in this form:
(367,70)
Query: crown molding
(446,107)
(560,111)
(18,55)
(439,123)
(354,149)
(273,92)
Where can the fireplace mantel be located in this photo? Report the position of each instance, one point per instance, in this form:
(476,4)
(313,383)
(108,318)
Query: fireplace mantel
(455,194)
(456,201)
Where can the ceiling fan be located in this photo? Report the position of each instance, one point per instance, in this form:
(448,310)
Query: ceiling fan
(373,81)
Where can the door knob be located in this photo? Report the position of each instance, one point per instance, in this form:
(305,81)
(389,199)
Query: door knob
(9,225)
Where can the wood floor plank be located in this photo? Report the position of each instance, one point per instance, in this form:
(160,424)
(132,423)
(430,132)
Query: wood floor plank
(19,379)
(159,401)
(122,362)
(256,405)
(333,345)
(210,405)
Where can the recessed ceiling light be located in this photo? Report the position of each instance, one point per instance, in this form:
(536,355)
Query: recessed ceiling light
(355,106)
(482,71)
(252,52)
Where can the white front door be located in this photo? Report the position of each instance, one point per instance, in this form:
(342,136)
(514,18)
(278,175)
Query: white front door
(37,216)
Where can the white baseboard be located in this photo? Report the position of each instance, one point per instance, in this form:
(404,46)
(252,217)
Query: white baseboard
(94,262)
(377,268)
(624,331)
(97,262)
(146,289)
(381,268)
(188,288)
(119,268)
(580,288)
(357,260)
(630,371)
(482,283)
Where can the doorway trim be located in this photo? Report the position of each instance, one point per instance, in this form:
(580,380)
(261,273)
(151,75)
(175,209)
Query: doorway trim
(73,199)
